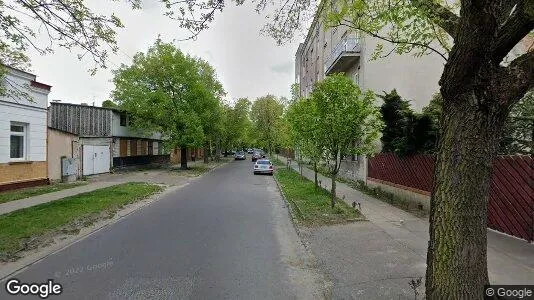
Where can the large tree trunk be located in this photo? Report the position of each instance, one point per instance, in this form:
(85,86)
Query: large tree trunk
(183,157)
(206,152)
(457,257)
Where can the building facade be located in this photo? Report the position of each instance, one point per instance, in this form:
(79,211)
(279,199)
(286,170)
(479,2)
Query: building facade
(23,131)
(104,138)
(328,50)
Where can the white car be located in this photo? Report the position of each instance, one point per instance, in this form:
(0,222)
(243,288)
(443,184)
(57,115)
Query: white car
(263,166)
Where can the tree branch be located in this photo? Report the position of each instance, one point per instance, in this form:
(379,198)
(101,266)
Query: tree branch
(516,79)
(350,25)
(440,15)
(514,29)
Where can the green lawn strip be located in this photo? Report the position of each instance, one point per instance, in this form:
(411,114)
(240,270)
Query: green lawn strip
(38,190)
(277,162)
(377,193)
(26,228)
(313,205)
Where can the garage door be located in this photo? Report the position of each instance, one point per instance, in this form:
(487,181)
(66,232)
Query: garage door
(96,159)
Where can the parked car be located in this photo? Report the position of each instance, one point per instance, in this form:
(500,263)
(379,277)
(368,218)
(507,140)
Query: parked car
(240,155)
(250,151)
(263,166)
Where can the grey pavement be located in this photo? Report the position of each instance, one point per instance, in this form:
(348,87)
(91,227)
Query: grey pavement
(376,259)
(36,200)
(159,176)
(226,235)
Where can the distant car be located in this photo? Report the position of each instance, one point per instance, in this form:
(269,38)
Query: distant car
(250,151)
(255,156)
(263,166)
(240,155)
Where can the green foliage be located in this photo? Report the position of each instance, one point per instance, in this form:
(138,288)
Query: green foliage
(407,132)
(237,125)
(310,205)
(167,91)
(302,115)
(266,115)
(519,128)
(109,104)
(347,119)
(397,116)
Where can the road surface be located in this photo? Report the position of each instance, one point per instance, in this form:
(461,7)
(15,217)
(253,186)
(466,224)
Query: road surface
(226,235)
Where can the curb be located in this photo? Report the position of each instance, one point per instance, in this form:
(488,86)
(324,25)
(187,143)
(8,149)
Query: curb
(46,251)
(290,212)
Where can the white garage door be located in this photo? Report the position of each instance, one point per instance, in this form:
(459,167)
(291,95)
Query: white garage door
(96,159)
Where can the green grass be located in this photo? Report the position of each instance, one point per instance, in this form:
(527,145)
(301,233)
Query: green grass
(30,227)
(277,162)
(378,193)
(35,191)
(311,206)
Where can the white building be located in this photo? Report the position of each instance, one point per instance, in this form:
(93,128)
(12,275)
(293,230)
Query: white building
(23,130)
(342,50)
(103,138)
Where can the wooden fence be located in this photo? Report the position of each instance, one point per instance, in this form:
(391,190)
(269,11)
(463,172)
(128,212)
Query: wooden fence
(511,197)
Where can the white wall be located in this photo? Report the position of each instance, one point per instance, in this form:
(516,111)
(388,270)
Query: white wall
(20,81)
(414,78)
(127,131)
(33,113)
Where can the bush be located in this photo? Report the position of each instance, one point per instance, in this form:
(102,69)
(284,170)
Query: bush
(407,132)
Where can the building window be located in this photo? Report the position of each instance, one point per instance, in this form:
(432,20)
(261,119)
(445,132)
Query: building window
(123,120)
(18,141)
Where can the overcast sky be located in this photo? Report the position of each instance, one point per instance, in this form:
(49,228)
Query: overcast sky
(248,64)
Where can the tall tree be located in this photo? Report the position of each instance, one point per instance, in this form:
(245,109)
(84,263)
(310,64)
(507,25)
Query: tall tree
(478,88)
(348,121)
(266,114)
(302,115)
(167,91)
(208,105)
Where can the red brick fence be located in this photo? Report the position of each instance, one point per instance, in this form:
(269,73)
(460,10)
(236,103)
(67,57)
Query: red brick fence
(511,198)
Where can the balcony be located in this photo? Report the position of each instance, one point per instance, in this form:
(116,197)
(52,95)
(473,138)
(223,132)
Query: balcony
(343,56)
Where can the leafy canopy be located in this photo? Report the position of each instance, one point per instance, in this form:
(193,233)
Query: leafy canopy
(347,120)
(169,92)
(266,115)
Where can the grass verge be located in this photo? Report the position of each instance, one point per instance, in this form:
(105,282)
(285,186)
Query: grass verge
(379,194)
(35,191)
(35,226)
(311,205)
(277,162)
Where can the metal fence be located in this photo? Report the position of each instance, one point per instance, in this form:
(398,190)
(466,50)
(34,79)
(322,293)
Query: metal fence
(511,196)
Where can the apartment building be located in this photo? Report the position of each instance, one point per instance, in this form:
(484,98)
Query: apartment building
(340,49)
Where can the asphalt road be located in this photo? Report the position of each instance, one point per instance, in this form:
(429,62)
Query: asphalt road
(226,235)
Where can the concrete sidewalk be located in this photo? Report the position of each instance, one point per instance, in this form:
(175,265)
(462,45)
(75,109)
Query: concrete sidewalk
(44,198)
(510,260)
(99,181)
